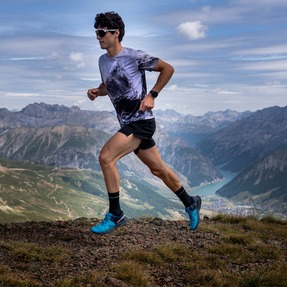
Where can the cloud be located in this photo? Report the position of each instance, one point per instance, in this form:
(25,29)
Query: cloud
(224,91)
(267,66)
(76,57)
(267,52)
(172,88)
(193,30)
(176,88)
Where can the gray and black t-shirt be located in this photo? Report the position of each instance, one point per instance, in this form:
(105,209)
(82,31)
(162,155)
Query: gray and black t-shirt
(125,81)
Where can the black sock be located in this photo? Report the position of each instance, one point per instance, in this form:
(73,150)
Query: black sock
(184,197)
(114,201)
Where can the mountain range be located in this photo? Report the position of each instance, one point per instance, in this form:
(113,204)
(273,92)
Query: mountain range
(69,137)
(244,142)
(255,149)
(250,144)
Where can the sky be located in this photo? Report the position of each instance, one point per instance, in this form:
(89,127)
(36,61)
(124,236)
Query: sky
(226,54)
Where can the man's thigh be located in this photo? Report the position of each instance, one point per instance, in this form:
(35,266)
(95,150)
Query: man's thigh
(120,145)
(151,157)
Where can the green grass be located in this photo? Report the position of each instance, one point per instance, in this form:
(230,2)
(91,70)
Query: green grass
(89,279)
(132,273)
(9,279)
(27,252)
(145,257)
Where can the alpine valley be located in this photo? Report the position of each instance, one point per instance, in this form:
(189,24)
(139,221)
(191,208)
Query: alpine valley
(49,162)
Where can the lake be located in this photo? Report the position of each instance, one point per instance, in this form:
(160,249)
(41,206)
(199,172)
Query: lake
(211,188)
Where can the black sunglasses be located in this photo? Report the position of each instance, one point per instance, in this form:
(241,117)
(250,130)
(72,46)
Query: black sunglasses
(102,32)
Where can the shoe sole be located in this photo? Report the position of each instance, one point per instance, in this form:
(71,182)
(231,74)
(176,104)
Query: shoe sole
(124,222)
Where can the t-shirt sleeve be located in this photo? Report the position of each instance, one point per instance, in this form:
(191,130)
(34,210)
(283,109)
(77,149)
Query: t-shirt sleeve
(146,61)
(99,65)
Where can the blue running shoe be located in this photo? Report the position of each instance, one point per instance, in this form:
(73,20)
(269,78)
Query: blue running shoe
(193,212)
(109,223)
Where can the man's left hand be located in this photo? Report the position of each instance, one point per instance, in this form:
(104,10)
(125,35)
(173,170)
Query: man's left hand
(147,103)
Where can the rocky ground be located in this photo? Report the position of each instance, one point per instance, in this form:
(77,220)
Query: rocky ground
(80,252)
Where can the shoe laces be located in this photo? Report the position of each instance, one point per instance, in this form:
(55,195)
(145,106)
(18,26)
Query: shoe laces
(107,218)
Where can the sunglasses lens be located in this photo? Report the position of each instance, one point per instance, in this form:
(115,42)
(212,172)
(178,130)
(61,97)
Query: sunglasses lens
(101,33)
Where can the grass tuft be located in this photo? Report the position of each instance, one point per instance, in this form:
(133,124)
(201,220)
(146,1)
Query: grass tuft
(274,276)
(171,252)
(132,273)
(89,279)
(9,279)
(273,220)
(231,219)
(144,257)
(242,239)
(33,252)
(263,251)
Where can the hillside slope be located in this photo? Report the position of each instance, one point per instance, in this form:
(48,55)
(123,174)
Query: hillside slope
(264,183)
(35,192)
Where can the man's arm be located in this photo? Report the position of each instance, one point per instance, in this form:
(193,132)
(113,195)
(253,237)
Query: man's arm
(97,92)
(165,73)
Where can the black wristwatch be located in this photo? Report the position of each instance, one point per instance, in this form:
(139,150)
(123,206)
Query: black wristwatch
(153,93)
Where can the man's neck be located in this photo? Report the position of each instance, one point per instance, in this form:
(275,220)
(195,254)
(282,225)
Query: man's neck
(113,51)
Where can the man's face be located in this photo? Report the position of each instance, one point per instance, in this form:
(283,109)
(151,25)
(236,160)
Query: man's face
(107,37)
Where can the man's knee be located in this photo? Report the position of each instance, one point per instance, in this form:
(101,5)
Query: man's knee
(159,171)
(104,158)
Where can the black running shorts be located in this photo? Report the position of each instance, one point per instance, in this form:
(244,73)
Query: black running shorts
(143,129)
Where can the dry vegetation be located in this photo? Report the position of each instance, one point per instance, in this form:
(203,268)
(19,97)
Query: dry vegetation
(225,251)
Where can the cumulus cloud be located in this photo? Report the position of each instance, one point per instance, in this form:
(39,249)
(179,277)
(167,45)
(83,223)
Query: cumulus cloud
(172,88)
(193,30)
(76,57)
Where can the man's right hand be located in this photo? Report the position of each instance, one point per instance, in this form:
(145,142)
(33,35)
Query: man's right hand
(92,93)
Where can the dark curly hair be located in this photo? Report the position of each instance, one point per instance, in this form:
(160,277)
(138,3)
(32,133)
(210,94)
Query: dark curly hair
(111,20)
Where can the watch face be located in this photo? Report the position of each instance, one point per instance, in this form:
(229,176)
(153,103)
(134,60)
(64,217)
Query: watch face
(154,93)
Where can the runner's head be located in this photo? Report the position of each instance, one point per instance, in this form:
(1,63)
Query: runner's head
(111,20)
